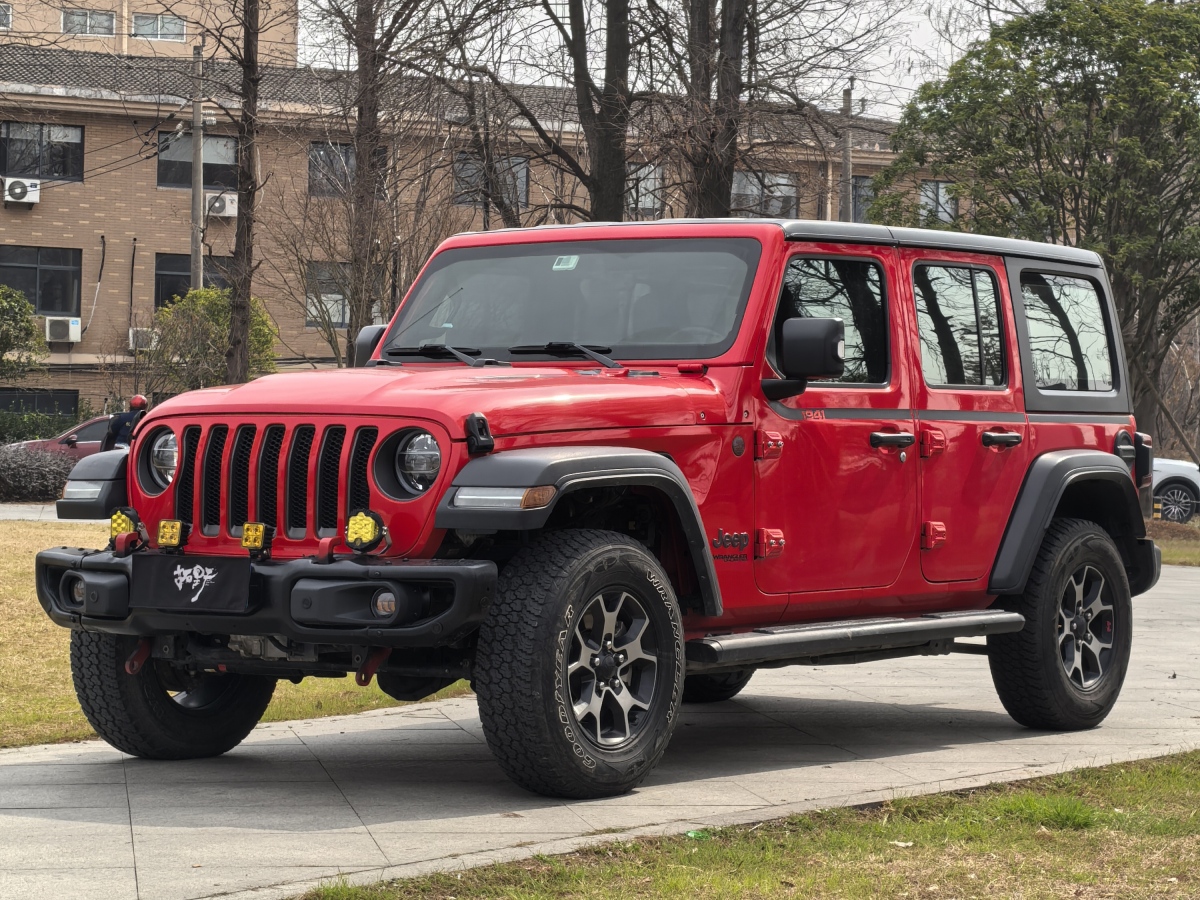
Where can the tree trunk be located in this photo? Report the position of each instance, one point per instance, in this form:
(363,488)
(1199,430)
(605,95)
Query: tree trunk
(237,357)
(713,142)
(606,131)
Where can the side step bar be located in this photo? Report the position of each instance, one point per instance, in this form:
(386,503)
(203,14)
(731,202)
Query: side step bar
(858,639)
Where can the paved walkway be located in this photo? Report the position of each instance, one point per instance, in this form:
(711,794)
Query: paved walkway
(32,512)
(401,792)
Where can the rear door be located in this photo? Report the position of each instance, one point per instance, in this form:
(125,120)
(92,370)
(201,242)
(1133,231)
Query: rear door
(972,429)
(835,474)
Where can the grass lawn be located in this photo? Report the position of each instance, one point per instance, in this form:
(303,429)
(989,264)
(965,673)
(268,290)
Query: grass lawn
(1126,831)
(1180,543)
(37,702)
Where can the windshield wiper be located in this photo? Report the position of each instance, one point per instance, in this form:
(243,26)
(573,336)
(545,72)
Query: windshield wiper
(566,348)
(462,354)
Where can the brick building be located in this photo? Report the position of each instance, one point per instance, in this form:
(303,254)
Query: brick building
(107,138)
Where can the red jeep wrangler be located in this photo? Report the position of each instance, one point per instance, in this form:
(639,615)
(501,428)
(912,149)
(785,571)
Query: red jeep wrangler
(601,470)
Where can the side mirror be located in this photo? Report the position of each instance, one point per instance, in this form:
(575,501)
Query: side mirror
(365,343)
(71,440)
(808,348)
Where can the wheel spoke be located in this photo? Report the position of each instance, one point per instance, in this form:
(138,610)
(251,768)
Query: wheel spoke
(627,703)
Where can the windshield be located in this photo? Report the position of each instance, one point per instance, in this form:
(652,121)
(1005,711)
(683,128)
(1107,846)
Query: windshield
(635,299)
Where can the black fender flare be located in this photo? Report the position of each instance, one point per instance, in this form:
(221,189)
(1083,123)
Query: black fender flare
(574,468)
(1049,478)
(108,470)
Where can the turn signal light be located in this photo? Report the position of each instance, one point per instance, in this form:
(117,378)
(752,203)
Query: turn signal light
(123,521)
(537,497)
(254,536)
(170,534)
(364,531)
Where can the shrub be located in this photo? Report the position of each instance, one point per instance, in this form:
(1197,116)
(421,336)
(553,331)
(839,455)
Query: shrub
(32,476)
(32,426)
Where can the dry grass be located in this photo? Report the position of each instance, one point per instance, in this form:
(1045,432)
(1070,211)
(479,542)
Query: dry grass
(1180,544)
(1130,831)
(37,702)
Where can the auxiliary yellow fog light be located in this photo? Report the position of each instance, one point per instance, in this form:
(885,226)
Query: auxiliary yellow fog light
(254,535)
(364,531)
(170,534)
(123,521)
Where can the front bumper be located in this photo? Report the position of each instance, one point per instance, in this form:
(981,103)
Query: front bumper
(438,601)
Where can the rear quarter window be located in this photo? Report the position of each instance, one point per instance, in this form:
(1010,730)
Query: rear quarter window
(1069,341)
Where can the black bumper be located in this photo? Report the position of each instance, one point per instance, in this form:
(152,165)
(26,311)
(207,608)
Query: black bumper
(438,601)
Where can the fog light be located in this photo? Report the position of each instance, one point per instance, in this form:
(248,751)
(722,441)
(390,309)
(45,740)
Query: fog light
(364,531)
(123,521)
(383,604)
(254,536)
(170,534)
(78,591)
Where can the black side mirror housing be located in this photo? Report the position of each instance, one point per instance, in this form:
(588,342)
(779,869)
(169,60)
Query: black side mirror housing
(808,348)
(71,440)
(365,343)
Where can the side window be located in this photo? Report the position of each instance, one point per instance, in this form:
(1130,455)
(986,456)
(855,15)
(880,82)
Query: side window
(848,289)
(1068,339)
(94,431)
(958,320)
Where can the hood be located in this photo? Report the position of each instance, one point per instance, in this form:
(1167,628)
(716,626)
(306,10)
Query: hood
(515,400)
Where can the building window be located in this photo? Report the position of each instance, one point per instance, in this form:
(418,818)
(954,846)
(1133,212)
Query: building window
(511,181)
(158,27)
(41,400)
(41,151)
(175,161)
(936,202)
(863,194)
(326,305)
(644,191)
(88,21)
(5,17)
(49,277)
(769,194)
(173,275)
(330,168)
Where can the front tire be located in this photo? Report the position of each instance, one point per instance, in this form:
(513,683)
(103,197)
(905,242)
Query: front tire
(1064,670)
(579,669)
(717,687)
(162,712)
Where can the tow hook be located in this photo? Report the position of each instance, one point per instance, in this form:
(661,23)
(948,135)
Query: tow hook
(138,657)
(376,658)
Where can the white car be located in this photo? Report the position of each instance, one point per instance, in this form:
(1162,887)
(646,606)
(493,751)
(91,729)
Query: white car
(1177,487)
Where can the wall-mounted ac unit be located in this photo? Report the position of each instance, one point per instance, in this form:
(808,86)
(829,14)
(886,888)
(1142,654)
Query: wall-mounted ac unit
(221,205)
(142,339)
(22,190)
(63,330)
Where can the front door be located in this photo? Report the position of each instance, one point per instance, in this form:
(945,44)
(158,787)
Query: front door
(973,434)
(836,476)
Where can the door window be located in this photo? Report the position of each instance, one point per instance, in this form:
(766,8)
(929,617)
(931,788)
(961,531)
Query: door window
(1068,340)
(958,320)
(848,289)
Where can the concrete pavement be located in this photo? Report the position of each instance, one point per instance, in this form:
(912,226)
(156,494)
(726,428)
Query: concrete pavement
(401,792)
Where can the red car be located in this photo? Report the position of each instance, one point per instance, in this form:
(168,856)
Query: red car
(82,440)
(601,470)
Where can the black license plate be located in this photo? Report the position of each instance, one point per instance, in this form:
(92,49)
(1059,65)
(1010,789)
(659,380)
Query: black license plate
(201,583)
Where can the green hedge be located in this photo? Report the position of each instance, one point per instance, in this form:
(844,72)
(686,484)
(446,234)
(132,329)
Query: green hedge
(33,426)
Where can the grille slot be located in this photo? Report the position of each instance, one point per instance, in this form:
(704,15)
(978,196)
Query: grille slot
(185,484)
(358,487)
(210,522)
(297,483)
(239,478)
(268,476)
(327,480)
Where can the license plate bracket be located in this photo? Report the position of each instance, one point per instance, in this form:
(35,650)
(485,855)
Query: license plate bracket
(193,583)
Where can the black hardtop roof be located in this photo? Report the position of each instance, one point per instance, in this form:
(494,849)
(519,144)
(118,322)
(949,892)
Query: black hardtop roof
(857,233)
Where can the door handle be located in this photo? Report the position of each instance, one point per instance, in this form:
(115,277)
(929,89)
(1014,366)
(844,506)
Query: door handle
(1001,438)
(892,439)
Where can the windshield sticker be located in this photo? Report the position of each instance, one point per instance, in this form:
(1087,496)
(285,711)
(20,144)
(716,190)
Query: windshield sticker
(565,263)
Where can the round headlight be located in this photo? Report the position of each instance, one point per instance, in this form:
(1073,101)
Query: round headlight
(164,458)
(418,461)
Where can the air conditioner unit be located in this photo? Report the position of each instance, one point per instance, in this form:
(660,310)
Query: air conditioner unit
(62,329)
(22,190)
(222,205)
(141,339)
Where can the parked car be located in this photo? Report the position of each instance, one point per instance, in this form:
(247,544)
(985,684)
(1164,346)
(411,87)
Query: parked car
(82,440)
(1177,488)
(604,469)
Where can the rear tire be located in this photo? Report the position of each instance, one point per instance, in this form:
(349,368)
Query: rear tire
(579,669)
(162,712)
(1178,502)
(715,688)
(1064,670)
